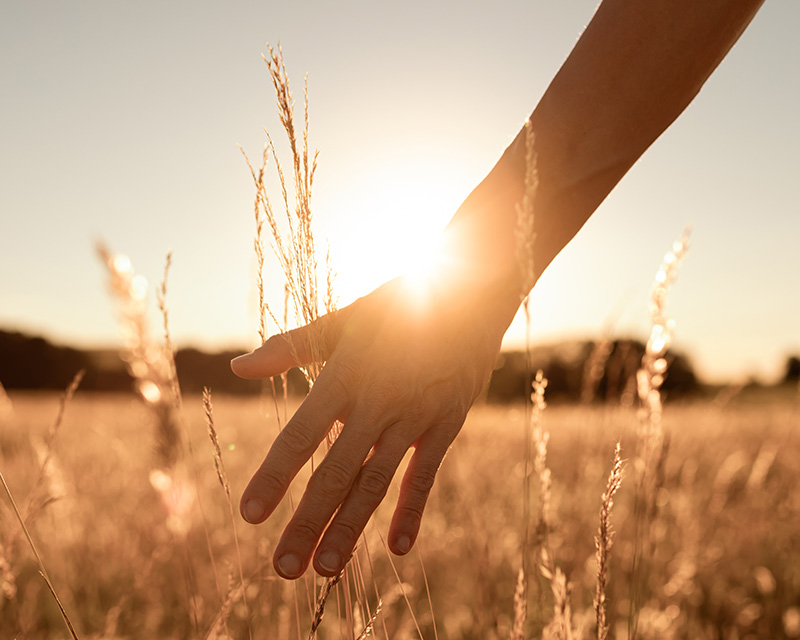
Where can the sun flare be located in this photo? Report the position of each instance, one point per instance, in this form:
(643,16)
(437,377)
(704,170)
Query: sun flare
(392,227)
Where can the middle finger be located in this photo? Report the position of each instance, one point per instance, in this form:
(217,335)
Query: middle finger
(325,491)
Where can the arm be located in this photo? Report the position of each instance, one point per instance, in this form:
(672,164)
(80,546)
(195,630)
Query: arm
(636,67)
(404,366)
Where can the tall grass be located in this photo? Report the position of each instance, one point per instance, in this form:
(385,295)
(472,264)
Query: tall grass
(703,539)
(294,246)
(603,541)
(9,581)
(653,441)
(725,562)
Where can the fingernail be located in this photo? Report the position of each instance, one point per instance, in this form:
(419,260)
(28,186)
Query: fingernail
(330,560)
(253,511)
(289,565)
(403,543)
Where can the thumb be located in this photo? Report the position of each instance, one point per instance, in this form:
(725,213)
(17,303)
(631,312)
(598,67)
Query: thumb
(312,343)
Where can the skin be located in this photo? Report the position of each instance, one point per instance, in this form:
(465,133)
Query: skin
(405,363)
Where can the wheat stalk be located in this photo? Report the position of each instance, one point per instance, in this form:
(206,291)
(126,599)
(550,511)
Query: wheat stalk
(540,440)
(652,441)
(525,230)
(296,252)
(525,237)
(561,625)
(520,606)
(319,612)
(147,363)
(370,626)
(604,541)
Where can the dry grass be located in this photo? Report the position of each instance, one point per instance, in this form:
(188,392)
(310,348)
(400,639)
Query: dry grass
(653,443)
(603,542)
(705,542)
(726,536)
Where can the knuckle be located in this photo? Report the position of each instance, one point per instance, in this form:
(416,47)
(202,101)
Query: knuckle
(304,532)
(267,481)
(423,480)
(373,482)
(391,400)
(345,531)
(333,477)
(411,513)
(298,440)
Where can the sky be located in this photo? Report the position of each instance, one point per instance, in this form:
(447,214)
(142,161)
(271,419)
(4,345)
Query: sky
(121,120)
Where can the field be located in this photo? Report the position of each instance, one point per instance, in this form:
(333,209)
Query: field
(132,558)
(627,519)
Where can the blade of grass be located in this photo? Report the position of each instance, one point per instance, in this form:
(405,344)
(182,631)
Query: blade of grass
(42,569)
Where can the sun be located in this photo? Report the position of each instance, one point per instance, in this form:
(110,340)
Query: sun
(390,226)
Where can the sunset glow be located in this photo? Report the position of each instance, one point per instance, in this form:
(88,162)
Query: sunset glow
(146,152)
(393,228)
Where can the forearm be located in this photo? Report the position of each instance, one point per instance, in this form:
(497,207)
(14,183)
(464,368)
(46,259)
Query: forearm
(636,67)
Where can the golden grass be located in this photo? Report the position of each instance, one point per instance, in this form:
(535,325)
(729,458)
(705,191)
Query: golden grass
(9,579)
(704,540)
(294,246)
(603,542)
(112,560)
(653,443)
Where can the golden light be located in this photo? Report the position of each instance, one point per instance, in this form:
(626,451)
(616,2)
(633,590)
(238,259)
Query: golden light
(391,227)
(138,288)
(150,391)
(121,263)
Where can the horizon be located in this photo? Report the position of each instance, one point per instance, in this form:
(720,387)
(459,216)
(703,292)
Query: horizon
(126,129)
(553,342)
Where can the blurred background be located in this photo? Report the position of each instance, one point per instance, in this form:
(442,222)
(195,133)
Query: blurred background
(121,123)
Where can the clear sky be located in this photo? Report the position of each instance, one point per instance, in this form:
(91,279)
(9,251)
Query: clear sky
(120,121)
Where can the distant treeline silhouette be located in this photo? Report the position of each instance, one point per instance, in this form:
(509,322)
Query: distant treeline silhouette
(588,371)
(29,362)
(576,370)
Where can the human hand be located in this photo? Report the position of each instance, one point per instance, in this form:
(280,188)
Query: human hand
(403,366)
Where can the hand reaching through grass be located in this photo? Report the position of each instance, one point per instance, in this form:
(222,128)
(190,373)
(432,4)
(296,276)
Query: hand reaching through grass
(404,365)
(402,370)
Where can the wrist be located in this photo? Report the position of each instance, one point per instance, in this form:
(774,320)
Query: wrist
(488,244)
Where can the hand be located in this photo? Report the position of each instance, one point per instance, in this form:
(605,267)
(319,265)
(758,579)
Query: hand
(404,365)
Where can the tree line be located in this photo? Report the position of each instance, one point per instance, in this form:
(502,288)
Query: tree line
(576,370)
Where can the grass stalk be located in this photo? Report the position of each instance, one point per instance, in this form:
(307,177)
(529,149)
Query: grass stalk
(222,476)
(62,407)
(526,236)
(603,543)
(652,441)
(42,569)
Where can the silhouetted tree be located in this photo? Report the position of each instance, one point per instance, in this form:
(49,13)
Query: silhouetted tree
(28,362)
(792,369)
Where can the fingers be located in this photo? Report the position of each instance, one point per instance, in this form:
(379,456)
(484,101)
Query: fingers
(294,445)
(367,490)
(366,493)
(272,358)
(326,490)
(313,343)
(343,478)
(416,486)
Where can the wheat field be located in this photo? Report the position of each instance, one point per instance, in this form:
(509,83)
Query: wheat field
(129,560)
(623,519)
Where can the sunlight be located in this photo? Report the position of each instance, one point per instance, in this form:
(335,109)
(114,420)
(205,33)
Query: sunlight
(391,226)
